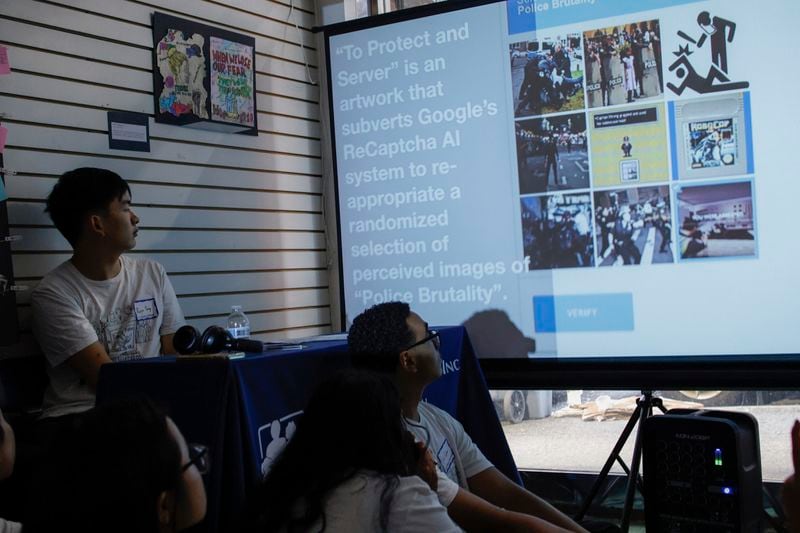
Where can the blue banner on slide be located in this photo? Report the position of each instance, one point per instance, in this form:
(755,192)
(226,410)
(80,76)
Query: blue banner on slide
(529,15)
(583,312)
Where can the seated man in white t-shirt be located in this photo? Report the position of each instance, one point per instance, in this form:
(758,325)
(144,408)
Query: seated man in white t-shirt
(389,338)
(100,305)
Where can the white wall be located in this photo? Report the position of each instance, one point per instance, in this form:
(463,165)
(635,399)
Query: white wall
(234,219)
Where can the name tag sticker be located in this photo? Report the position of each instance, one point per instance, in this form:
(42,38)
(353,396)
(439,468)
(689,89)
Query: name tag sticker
(145,309)
(445,457)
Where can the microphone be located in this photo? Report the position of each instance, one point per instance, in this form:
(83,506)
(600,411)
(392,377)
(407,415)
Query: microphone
(246,345)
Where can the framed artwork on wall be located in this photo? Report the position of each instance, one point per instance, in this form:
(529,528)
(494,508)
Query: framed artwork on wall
(203,76)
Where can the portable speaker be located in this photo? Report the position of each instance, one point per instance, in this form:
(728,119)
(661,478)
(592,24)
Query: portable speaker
(702,472)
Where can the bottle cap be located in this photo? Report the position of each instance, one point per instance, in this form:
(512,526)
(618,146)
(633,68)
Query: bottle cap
(236,308)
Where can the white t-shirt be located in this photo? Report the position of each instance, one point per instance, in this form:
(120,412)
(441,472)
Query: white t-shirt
(128,314)
(457,456)
(355,506)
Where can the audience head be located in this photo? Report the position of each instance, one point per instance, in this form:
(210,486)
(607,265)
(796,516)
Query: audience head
(390,338)
(123,467)
(7,448)
(81,194)
(352,422)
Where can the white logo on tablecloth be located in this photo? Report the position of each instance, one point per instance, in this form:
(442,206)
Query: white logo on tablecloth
(273,437)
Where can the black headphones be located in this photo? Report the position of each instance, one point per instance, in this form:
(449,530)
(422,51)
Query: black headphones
(187,340)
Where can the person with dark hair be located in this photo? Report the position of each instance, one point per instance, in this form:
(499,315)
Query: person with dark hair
(123,467)
(351,465)
(695,244)
(551,161)
(391,339)
(568,243)
(662,222)
(562,61)
(100,305)
(534,85)
(8,452)
(624,245)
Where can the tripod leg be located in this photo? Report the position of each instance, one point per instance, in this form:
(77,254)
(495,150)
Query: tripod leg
(633,477)
(639,480)
(601,477)
(623,465)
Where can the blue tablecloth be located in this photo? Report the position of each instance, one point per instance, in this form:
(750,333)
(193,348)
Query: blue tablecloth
(245,409)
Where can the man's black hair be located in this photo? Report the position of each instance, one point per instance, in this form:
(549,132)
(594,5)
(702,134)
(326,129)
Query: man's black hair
(81,192)
(378,335)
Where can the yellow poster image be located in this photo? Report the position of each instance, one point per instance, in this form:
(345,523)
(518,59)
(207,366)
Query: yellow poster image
(628,146)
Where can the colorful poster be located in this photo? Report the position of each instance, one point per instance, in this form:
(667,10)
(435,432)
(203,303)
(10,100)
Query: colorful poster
(182,66)
(232,89)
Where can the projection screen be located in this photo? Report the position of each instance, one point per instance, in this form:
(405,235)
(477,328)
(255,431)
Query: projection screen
(572,179)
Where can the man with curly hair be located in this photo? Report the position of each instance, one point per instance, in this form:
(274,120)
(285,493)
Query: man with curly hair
(391,339)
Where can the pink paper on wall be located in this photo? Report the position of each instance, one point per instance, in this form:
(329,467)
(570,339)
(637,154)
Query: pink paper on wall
(3,137)
(5,66)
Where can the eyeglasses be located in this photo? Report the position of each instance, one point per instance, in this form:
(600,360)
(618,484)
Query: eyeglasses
(432,335)
(199,457)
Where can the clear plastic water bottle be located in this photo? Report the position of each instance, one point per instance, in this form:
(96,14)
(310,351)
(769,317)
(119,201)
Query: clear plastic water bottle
(238,323)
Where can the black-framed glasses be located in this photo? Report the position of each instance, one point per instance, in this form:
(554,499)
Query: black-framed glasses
(199,457)
(432,335)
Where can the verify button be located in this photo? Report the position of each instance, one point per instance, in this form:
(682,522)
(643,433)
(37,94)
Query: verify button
(583,312)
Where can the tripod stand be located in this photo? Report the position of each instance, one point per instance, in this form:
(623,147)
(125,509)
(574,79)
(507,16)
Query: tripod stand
(644,409)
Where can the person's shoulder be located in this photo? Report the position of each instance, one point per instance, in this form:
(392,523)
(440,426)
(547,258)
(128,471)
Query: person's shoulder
(140,261)
(429,410)
(413,484)
(54,279)
(142,265)
(362,480)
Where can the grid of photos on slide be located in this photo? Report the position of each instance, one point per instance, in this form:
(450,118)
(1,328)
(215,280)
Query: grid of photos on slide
(609,173)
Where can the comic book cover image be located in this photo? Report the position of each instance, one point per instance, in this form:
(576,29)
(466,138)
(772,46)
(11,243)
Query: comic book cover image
(711,137)
(711,143)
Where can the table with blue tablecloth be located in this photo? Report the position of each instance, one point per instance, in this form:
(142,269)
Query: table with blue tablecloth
(245,409)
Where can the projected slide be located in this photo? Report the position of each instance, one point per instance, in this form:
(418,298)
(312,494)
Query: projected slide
(607,178)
